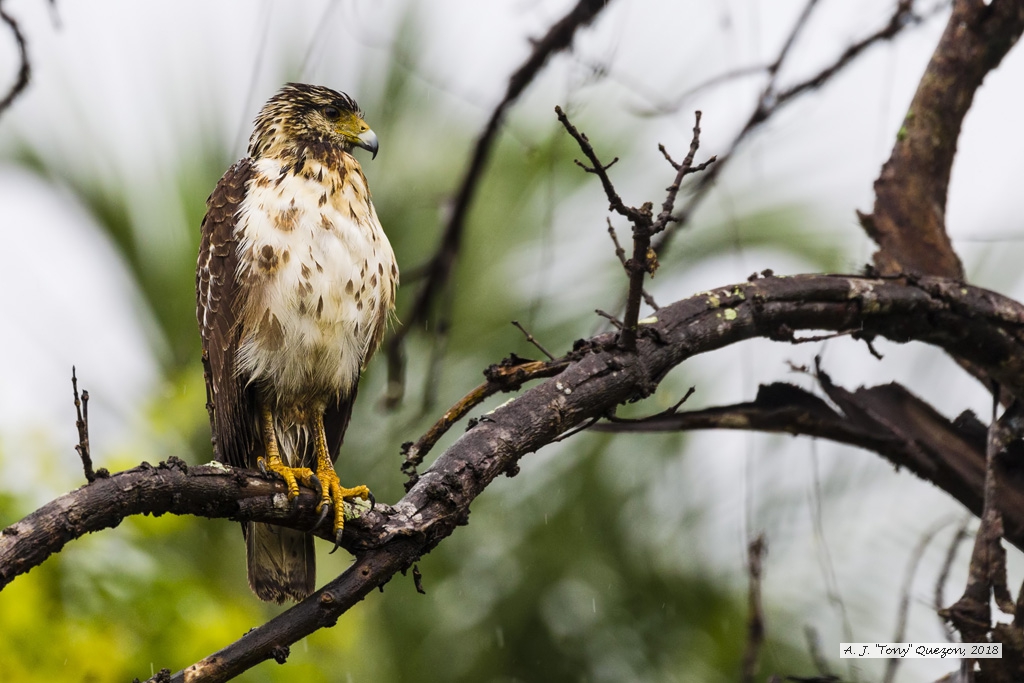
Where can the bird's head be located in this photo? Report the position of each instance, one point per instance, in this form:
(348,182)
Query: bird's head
(312,116)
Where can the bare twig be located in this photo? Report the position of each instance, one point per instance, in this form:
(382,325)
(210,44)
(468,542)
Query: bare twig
(644,260)
(619,251)
(814,650)
(801,21)
(577,429)
(509,375)
(668,412)
(82,424)
(787,334)
(772,69)
(908,582)
(609,317)
(24,70)
(682,170)
(599,169)
(532,340)
(621,254)
(664,108)
(756,552)
(947,564)
(439,268)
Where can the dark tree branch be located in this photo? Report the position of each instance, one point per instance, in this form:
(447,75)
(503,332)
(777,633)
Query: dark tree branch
(975,323)
(212,490)
(986,581)
(24,70)
(887,420)
(979,325)
(439,268)
(908,221)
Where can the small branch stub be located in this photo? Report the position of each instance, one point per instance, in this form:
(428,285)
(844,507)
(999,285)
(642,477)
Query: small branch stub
(82,424)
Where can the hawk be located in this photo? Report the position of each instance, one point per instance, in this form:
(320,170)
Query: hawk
(295,284)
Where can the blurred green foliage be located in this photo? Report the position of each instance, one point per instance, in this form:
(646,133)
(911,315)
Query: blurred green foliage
(548,581)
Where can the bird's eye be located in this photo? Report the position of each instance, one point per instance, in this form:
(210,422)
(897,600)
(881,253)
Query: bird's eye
(332,113)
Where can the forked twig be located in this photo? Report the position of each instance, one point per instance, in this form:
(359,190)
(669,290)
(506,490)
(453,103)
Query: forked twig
(508,375)
(643,261)
(533,340)
(82,424)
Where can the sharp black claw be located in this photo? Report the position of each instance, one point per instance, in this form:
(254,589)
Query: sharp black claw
(319,487)
(337,542)
(373,501)
(324,511)
(262,465)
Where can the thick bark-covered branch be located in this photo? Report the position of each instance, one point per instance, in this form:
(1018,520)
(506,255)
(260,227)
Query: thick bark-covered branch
(909,217)
(887,420)
(972,323)
(982,326)
(212,490)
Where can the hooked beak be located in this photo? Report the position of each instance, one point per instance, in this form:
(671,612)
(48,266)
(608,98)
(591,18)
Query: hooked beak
(368,141)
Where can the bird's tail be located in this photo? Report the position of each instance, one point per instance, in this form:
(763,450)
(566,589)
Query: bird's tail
(281,562)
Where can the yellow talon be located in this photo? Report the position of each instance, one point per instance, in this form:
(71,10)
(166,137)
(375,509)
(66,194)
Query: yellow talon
(331,490)
(293,476)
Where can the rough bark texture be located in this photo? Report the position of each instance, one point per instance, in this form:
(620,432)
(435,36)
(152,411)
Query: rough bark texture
(909,217)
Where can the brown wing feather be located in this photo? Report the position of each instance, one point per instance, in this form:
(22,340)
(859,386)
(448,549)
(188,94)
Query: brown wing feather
(232,410)
(336,418)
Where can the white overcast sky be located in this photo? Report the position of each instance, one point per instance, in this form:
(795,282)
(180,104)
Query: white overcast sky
(125,81)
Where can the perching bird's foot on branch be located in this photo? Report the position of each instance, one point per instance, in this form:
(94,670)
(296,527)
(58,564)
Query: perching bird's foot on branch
(293,476)
(331,490)
(333,495)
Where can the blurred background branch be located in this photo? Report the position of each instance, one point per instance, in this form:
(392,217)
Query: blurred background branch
(438,269)
(24,67)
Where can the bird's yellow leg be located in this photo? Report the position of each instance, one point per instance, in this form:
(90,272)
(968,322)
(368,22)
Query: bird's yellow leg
(292,476)
(332,492)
